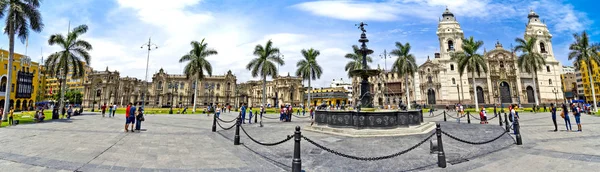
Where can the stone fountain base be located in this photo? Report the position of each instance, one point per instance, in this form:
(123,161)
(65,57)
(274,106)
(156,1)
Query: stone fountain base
(368,124)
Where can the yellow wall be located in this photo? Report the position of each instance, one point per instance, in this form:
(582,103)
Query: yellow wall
(327,100)
(32,67)
(72,83)
(587,89)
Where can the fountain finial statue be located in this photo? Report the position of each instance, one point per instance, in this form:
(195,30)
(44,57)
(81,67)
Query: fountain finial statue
(361,26)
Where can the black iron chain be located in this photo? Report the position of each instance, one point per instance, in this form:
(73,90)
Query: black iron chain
(433,115)
(265,116)
(475,117)
(492,118)
(228,128)
(233,120)
(289,137)
(368,158)
(301,116)
(473,143)
(452,116)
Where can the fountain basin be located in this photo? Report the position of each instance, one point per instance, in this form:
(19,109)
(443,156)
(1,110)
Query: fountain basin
(369,120)
(365,72)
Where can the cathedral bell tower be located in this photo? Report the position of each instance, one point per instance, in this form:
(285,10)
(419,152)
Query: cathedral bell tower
(450,35)
(536,28)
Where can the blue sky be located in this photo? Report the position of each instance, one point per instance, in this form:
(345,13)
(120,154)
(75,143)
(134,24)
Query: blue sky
(233,27)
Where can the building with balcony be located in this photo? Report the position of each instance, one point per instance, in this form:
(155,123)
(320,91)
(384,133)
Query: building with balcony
(569,82)
(25,81)
(585,81)
(52,83)
(279,91)
(332,96)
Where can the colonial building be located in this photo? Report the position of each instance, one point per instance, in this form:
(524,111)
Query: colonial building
(281,90)
(25,81)
(52,85)
(569,83)
(439,82)
(387,88)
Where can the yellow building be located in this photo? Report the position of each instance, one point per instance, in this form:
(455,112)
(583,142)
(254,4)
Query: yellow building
(585,79)
(25,80)
(52,84)
(329,96)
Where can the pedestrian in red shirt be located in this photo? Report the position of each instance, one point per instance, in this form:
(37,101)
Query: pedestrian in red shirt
(127,116)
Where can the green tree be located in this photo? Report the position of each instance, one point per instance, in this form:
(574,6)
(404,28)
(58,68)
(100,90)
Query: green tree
(197,64)
(468,59)
(21,16)
(405,65)
(356,60)
(308,68)
(70,59)
(530,60)
(582,51)
(264,64)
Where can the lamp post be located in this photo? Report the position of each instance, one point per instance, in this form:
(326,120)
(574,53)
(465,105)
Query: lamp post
(210,87)
(385,57)
(150,46)
(458,89)
(276,92)
(555,91)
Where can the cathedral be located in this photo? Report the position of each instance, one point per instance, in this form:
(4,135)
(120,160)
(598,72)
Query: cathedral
(438,82)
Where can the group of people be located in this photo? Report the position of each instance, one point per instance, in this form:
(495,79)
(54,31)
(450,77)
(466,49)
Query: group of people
(286,112)
(576,110)
(112,109)
(133,116)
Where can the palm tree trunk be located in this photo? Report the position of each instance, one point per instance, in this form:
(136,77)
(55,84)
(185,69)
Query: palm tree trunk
(475,91)
(308,90)
(407,93)
(11,57)
(264,95)
(460,92)
(62,91)
(593,89)
(195,95)
(537,103)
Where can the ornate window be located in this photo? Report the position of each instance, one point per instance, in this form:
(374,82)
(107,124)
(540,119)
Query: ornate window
(548,68)
(501,64)
(450,45)
(452,67)
(542,47)
(550,81)
(429,79)
(453,81)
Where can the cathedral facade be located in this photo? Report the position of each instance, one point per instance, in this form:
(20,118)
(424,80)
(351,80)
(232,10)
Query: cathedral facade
(438,81)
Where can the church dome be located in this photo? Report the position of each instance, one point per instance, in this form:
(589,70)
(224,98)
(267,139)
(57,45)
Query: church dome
(447,13)
(532,14)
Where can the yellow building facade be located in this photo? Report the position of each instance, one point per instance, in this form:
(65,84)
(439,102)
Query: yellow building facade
(328,96)
(25,81)
(52,84)
(585,79)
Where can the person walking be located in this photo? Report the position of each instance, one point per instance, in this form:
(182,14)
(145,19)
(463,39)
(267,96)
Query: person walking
(577,114)
(110,109)
(139,118)
(10,115)
(218,113)
(431,112)
(114,109)
(70,112)
(243,110)
(132,114)
(103,109)
(565,115)
(553,112)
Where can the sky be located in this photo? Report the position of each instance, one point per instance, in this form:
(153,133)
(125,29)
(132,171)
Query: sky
(118,28)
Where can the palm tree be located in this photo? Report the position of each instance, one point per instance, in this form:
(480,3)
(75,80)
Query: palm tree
(22,15)
(356,58)
(584,52)
(530,60)
(404,65)
(468,59)
(197,64)
(70,59)
(264,64)
(308,68)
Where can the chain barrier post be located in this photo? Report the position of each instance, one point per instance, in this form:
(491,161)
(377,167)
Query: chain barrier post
(469,117)
(214,127)
(444,116)
(256,118)
(441,155)
(517,131)
(422,114)
(297,162)
(506,122)
(236,138)
(499,118)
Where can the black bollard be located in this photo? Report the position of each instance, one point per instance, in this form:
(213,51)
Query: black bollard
(517,132)
(441,155)
(256,118)
(469,117)
(297,162)
(236,138)
(444,116)
(214,127)
(506,122)
(500,119)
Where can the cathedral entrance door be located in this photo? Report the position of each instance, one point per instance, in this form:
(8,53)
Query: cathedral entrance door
(530,97)
(505,93)
(480,95)
(430,97)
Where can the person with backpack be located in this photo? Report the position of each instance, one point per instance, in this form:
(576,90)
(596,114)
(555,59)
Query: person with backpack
(110,109)
(565,115)
(139,117)
(553,112)
(577,114)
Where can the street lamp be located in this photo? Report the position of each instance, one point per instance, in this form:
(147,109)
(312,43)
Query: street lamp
(555,91)
(150,46)
(276,92)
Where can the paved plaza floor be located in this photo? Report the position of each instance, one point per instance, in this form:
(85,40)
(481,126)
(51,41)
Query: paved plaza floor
(186,143)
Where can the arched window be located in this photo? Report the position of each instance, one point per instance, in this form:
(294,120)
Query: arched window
(550,81)
(501,64)
(453,81)
(548,68)
(160,83)
(542,47)
(218,86)
(450,45)
(451,67)
(429,79)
